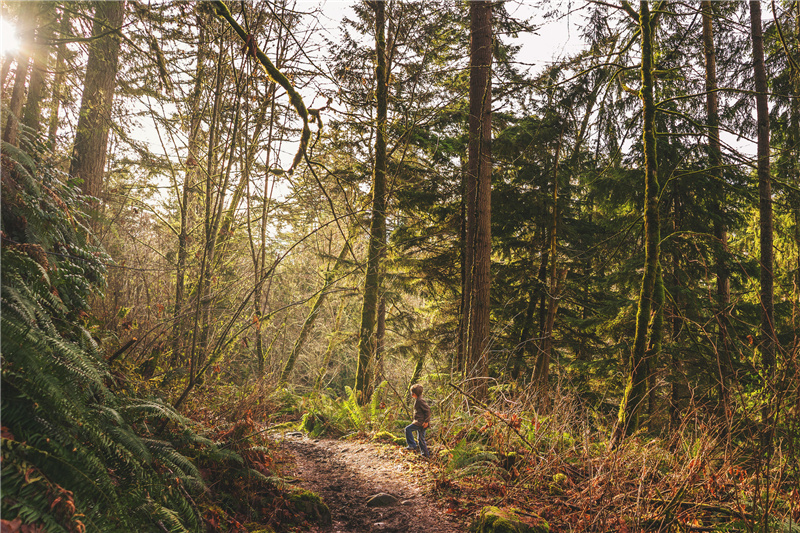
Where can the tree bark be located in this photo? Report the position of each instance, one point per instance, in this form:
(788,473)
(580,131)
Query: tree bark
(380,339)
(480,166)
(639,364)
(377,233)
(724,364)
(260,256)
(541,373)
(27,28)
(58,80)
(795,128)
(31,117)
(190,178)
(767,342)
(91,135)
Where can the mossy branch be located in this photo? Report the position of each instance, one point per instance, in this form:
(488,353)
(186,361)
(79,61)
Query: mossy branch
(222,11)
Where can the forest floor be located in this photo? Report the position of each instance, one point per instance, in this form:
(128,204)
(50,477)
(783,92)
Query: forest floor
(347,473)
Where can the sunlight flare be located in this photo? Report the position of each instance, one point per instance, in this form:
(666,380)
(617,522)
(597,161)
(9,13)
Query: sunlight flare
(9,41)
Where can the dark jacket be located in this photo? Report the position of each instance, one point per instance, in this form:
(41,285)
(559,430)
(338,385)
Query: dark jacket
(422,413)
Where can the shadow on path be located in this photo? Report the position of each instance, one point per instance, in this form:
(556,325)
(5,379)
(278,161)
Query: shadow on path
(347,473)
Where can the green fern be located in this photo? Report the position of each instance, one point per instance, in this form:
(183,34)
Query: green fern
(66,435)
(353,409)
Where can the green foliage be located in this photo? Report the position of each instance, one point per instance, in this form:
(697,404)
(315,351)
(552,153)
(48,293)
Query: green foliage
(354,411)
(389,438)
(473,459)
(74,453)
(495,520)
(377,415)
(311,505)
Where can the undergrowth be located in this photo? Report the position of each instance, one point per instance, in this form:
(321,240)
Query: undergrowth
(558,465)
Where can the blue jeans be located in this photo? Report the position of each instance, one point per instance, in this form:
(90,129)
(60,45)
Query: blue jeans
(423,446)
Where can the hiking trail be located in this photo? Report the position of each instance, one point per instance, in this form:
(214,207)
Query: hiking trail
(347,473)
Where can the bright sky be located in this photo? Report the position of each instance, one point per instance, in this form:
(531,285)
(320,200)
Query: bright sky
(8,38)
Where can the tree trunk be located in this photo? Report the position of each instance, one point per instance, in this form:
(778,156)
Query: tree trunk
(467,259)
(767,342)
(795,158)
(654,341)
(91,135)
(724,364)
(517,356)
(418,367)
(380,338)
(27,25)
(480,166)
(260,256)
(31,117)
(639,364)
(377,231)
(191,165)
(541,372)
(58,80)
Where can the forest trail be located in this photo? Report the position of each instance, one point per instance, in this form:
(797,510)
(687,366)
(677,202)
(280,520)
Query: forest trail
(346,473)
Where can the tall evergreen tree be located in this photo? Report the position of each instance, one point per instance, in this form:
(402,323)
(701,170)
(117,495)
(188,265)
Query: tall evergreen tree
(477,197)
(91,135)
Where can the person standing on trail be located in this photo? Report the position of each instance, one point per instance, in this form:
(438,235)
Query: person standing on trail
(422,419)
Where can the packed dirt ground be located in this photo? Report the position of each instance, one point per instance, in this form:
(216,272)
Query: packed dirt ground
(347,473)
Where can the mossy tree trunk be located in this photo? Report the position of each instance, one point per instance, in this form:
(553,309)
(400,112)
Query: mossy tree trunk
(186,203)
(367,339)
(651,291)
(795,158)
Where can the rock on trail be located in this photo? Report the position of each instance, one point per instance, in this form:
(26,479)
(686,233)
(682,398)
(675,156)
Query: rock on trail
(369,487)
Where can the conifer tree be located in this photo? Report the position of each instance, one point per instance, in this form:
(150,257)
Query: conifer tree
(91,135)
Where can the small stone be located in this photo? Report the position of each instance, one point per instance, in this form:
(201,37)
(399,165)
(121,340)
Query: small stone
(381,500)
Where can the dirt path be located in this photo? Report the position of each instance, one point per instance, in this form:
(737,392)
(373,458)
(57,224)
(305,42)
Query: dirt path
(346,474)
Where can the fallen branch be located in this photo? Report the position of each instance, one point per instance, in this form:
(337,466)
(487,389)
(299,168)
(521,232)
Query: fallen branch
(706,507)
(121,350)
